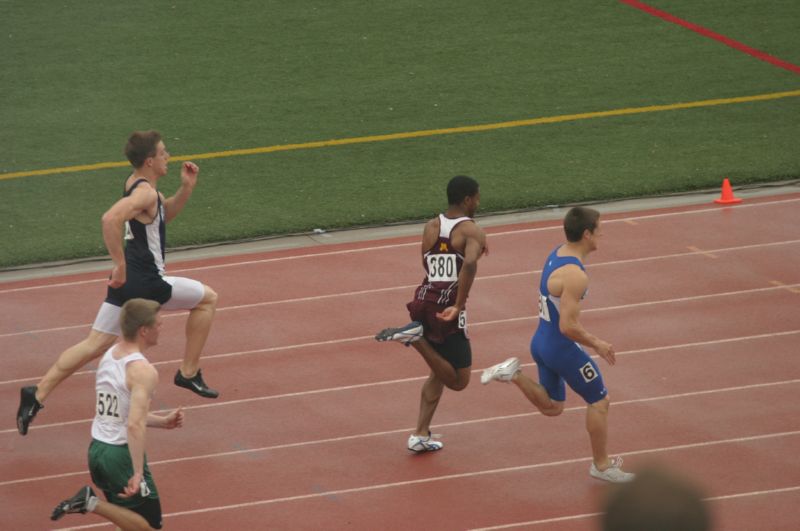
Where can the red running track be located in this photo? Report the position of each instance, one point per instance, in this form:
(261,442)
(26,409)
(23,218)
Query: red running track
(700,302)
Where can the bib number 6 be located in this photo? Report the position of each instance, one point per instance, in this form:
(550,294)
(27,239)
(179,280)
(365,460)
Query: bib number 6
(588,372)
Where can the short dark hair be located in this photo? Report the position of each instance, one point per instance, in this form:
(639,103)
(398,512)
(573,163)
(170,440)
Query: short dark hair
(578,220)
(656,500)
(459,188)
(140,146)
(137,313)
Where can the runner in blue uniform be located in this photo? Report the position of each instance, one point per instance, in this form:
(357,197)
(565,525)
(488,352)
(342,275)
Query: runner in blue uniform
(139,218)
(556,345)
(452,243)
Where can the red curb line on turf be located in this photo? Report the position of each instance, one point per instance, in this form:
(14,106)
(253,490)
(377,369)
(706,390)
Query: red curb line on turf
(705,32)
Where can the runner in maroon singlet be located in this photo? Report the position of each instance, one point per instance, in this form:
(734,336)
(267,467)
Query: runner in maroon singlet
(452,243)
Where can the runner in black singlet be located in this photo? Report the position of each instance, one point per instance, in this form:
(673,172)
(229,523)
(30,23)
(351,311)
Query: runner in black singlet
(139,218)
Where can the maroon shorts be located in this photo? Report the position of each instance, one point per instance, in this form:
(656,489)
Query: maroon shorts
(435,330)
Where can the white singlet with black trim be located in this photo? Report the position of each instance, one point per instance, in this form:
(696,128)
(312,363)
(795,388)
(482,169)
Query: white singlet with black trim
(112,399)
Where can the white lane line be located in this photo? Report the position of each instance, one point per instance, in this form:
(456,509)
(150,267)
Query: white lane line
(448,477)
(363,338)
(399,245)
(782,285)
(330,440)
(704,253)
(412,286)
(478,323)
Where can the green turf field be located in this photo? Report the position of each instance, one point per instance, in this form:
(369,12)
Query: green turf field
(78,77)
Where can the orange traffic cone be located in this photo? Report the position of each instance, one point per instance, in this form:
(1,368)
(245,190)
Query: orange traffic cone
(727,197)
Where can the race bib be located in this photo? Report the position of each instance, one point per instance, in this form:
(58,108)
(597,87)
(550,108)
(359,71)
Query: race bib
(442,268)
(462,322)
(588,372)
(108,406)
(544,311)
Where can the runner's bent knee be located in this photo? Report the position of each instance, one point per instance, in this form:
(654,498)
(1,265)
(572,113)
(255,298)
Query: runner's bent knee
(458,385)
(462,381)
(556,409)
(210,296)
(101,341)
(601,405)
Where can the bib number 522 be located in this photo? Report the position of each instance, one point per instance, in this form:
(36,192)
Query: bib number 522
(107,405)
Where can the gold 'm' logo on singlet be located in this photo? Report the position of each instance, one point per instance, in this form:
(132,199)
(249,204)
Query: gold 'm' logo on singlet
(443,247)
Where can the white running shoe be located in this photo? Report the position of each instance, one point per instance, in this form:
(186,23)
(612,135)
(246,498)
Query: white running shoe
(405,334)
(613,473)
(419,444)
(502,372)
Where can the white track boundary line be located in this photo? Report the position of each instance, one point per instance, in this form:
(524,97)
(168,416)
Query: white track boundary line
(447,477)
(343,438)
(478,323)
(592,515)
(416,378)
(412,286)
(399,245)
(362,338)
